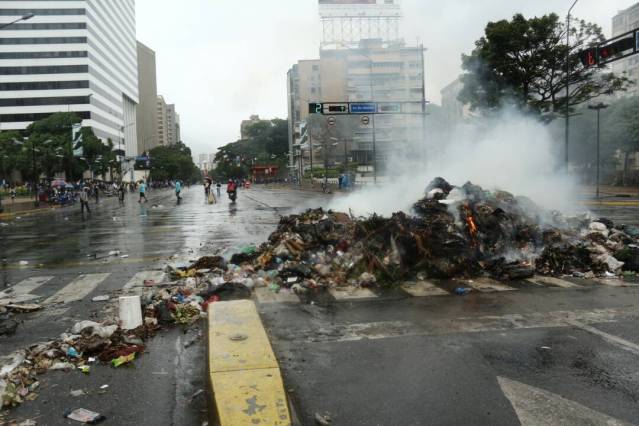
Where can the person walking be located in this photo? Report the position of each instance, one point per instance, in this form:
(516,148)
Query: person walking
(84,200)
(142,192)
(219,187)
(178,189)
(121,193)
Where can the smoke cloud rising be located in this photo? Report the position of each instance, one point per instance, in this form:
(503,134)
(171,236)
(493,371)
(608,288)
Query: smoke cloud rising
(509,151)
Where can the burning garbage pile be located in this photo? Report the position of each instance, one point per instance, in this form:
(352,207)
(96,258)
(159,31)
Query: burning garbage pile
(453,232)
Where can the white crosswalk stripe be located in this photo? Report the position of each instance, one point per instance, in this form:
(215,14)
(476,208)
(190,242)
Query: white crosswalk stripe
(21,292)
(551,281)
(351,293)
(265,295)
(487,285)
(423,289)
(136,284)
(77,289)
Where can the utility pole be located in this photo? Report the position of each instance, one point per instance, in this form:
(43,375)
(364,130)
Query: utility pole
(598,108)
(310,144)
(424,152)
(370,75)
(568,75)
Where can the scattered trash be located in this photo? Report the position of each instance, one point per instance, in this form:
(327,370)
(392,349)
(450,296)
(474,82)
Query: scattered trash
(32,307)
(85,369)
(24,262)
(462,291)
(72,352)
(114,253)
(77,393)
(103,298)
(122,360)
(84,416)
(104,387)
(130,312)
(62,366)
(323,419)
(196,394)
(546,348)
(124,256)
(238,337)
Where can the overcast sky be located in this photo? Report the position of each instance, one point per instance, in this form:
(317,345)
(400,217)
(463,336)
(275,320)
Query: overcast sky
(220,61)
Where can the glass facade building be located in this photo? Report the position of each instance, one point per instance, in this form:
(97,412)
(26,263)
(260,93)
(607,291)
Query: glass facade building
(73,55)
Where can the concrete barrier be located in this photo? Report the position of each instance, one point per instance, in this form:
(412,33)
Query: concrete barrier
(244,375)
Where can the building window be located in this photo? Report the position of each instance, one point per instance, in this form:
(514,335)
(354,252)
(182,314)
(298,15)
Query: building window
(60,69)
(42,55)
(44,40)
(45,85)
(71,100)
(40,12)
(50,26)
(316,68)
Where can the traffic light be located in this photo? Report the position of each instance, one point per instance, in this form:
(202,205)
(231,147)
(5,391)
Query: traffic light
(588,57)
(616,48)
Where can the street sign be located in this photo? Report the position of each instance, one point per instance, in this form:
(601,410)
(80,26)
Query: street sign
(389,108)
(363,108)
(315,108)
(331,121)
(341,108)
(366,120)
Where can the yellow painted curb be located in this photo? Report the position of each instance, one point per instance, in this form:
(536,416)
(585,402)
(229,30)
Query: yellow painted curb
(246,381)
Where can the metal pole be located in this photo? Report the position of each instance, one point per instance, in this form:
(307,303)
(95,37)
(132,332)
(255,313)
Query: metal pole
(424,151)
(35,178)
(310,144)
(598,108)
(568,75)
(370,75)
(598,138)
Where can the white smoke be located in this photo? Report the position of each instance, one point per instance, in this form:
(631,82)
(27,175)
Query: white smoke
(510,152)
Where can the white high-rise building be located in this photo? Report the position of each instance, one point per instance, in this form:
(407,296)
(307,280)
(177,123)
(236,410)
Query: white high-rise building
(73,55)
(624,21)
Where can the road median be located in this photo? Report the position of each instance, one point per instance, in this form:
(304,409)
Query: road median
(245,378)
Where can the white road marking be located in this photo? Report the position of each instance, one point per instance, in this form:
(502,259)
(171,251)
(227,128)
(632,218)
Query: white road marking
(615,282)
(552,281)
(351,293)
(264,295)
(391,329)
(77,289)
(539,407)
(21,291)
(487,285)
(617,341)
(423,289)
(136,284)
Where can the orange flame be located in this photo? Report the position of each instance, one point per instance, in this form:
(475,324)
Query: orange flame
(472,226)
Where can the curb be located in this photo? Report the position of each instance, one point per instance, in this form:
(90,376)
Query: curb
(28,212)
(244,376)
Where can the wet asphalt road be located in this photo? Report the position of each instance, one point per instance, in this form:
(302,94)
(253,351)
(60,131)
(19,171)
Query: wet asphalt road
(63,248)
(488,358)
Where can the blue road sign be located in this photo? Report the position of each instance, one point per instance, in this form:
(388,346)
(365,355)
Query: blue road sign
(363,108)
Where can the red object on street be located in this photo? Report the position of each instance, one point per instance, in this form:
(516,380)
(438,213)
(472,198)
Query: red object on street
(212,299)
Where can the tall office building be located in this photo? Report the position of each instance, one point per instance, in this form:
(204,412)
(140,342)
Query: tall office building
(162,122)
(625,21)
(172,124)
(147,124)
(78,56)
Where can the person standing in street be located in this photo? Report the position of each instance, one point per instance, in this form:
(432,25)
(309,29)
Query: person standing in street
(121,193)
(84,200)
(143,192)
(96,192)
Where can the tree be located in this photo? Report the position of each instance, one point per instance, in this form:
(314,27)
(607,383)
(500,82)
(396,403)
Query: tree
(622,131)
(525,61)
(173,162)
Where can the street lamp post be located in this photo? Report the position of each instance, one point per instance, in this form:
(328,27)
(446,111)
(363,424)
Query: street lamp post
(598,108)
(568,75)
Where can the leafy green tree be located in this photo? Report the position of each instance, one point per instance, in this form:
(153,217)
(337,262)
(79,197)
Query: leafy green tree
(173,162)
(525,61)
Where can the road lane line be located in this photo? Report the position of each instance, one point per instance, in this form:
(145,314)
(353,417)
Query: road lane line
(77,289)
(423,289)
(537,407)
(389,329)
(136,284)
(22,290)
(615,340)
(551,281)
(351,293)
(487,285)
(264,295)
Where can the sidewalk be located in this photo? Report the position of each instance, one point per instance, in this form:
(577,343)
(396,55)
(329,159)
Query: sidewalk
(610,191)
